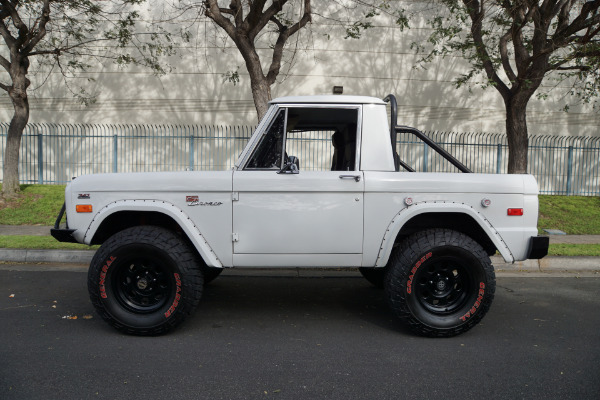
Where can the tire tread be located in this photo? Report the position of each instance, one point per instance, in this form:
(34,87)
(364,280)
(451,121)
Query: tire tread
(163,239)
(401,263)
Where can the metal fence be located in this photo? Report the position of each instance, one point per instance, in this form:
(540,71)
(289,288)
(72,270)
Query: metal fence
(562,165)
(54,153)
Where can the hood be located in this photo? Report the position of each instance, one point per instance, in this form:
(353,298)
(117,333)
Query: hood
(209,181)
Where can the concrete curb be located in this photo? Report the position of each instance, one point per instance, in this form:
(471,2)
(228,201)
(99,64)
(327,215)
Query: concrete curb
(549,263)
(47,256)
(546,264)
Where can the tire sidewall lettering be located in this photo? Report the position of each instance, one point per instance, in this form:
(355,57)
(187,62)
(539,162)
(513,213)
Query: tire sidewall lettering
(477,304)
(103,275)
(177,298)
(414,270)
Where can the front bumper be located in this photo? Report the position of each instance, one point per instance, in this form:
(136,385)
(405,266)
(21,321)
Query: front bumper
(538,247)
(62,235)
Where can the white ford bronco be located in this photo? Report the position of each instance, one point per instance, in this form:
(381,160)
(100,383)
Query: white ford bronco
(319,184)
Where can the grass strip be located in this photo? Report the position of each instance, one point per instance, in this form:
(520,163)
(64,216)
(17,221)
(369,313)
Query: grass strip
(36,205)
(591,250)
(39,242)
(574,215)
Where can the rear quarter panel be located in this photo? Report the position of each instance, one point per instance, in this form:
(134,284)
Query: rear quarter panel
(386,211)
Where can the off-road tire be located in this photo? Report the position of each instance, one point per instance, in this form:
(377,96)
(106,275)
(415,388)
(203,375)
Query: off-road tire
(145,280)
(440,282)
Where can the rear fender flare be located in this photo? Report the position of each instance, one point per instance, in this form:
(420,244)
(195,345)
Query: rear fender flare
(406,214)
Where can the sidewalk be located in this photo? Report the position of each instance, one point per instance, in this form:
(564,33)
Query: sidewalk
(27,230)
(546,264)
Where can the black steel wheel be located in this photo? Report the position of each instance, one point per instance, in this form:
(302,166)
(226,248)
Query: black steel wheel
(441,282)
(444,286)
(145,280)
(142,284)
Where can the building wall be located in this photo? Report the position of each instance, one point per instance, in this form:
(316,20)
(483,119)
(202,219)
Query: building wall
(378,64)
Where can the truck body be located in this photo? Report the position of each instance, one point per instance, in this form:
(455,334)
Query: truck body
(347,205)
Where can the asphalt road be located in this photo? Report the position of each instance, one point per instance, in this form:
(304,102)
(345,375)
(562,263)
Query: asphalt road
(299,338)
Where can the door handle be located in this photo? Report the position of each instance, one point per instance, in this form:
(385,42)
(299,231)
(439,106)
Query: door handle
(355,177)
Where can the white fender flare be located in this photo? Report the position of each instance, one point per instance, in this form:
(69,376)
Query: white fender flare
(186,224)
(406,214)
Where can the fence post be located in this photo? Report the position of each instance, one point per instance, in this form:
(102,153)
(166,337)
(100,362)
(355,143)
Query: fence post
(569,170)
(425,153)
(192,151)
(40,159)
(499,159)
(115,152)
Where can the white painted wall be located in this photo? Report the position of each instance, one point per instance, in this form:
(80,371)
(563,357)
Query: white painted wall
(380,63)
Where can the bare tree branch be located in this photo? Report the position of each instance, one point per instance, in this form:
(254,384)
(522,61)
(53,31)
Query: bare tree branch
(258,22)
(284,34)
(5,63)
(214,12)
(5,33)
(477,14)
(41,31)
(504,56)
(16,20)
(237,10)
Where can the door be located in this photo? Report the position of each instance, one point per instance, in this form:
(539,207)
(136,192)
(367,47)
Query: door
(299,196)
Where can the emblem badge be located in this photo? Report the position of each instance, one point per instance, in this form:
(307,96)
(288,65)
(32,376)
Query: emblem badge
(195,201)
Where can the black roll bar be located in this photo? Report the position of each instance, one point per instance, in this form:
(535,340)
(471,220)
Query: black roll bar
(390,98)
(395,129)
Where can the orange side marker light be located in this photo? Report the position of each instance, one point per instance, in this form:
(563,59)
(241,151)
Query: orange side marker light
(83,208)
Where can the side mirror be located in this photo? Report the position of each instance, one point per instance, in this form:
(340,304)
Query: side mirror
(292,166)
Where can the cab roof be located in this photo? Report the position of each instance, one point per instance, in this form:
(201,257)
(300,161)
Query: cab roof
(328,99)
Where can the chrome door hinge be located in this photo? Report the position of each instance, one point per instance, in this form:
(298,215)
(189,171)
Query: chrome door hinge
(235,196)
(235,237)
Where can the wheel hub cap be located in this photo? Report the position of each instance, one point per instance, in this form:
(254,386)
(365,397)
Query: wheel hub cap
(441,285)
(142,284)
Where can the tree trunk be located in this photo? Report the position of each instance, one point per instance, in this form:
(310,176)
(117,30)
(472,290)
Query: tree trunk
(18,96)
(10,185)
(516,131)
(259,84)
(261,93)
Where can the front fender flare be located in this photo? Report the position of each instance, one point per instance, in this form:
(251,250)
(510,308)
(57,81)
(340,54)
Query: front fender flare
(186,224)
(406,214)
